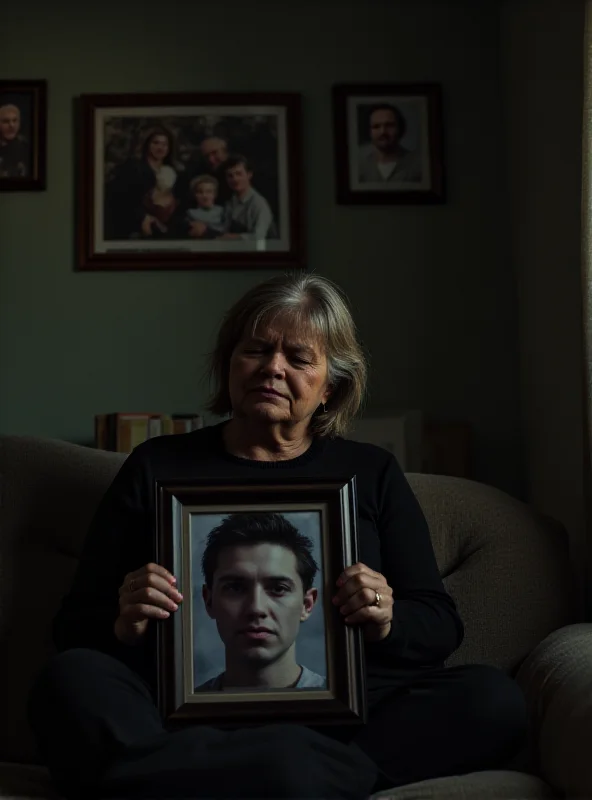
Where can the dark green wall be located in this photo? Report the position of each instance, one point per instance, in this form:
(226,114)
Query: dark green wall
(433,287)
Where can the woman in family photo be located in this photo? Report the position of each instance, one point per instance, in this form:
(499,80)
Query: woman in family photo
(135,194)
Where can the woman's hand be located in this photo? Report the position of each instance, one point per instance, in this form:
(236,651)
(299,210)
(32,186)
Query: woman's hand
(365,598)
(149,593)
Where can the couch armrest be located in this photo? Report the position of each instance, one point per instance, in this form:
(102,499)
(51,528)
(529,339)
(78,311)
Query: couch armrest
(556,679)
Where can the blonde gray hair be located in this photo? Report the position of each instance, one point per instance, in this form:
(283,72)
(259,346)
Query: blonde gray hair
(319,308)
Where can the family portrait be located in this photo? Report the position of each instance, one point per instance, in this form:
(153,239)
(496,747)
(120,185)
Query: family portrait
(388,144)
(22,134)
(257,604)
(180,181)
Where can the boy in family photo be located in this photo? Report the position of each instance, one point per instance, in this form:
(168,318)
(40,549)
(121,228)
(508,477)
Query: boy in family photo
(204,191)
(259,572)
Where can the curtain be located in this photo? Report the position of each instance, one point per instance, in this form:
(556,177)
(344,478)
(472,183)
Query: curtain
(587,285)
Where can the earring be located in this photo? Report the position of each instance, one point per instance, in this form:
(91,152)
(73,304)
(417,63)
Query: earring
(324,409)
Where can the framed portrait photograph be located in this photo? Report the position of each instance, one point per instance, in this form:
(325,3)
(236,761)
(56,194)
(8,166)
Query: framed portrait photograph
(388,143)
(23,132)
(257,637)
(190,181)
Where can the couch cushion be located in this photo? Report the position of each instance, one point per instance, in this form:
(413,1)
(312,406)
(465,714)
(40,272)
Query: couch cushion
(492,785)
(506,567)
(25,781)
(557,681)
(49,491)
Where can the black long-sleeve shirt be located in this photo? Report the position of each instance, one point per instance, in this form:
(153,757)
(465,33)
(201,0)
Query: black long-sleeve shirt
(392,531)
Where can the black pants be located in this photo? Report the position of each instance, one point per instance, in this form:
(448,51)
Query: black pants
(101,735)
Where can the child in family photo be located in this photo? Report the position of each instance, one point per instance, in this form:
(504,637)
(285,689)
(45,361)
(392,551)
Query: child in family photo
(204,191)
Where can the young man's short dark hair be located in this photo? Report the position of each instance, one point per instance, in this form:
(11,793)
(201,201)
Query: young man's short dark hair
(235,160)
(259,528)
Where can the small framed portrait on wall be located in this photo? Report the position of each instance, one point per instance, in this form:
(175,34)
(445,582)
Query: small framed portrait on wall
(23,123)
(190,181)
(257,636)
(388,143)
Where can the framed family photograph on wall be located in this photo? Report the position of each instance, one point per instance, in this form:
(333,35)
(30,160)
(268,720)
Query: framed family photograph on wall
(23,135)
(257,636)
(388,143)
(190,181)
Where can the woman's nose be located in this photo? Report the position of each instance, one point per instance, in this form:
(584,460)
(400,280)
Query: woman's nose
(275,364)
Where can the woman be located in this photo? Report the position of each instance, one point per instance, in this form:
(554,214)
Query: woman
(127,199)
(288,367)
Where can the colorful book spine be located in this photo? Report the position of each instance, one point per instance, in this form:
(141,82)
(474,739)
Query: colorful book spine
(121,432)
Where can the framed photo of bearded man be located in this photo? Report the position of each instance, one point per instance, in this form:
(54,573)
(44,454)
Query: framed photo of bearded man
(388,143)
(23,132)
(257,637)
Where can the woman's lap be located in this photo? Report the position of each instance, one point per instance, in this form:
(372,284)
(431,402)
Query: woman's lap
(95,721)
(445,721)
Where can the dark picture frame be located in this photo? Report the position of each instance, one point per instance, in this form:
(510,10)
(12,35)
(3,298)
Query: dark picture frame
(183,510)
(155,194)
(388,143)
(23,146)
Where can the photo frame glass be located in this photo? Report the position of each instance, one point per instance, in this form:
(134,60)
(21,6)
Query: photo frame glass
(388,143)
(190,181)
(257,636)
(23,110)
(412,171)
(203,636)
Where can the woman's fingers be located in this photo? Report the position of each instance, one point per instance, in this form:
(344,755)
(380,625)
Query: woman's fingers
(359,582)
(150,569)
(152,575)
(366,598)
(357,572)
(141,611)
(148,596)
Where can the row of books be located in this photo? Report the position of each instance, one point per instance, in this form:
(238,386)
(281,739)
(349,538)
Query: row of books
(121,432)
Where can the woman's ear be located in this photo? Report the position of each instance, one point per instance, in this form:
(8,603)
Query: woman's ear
(327,393)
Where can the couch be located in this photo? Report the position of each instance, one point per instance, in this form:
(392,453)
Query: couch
(506,567)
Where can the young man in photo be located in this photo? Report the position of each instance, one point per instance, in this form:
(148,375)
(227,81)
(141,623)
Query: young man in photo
(259,573)
(247,213)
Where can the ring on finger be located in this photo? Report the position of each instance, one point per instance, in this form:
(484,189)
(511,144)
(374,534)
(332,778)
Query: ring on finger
(377,599)
(131,585)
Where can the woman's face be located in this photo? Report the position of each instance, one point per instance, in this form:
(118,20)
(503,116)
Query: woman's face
(158,149)
(278,375)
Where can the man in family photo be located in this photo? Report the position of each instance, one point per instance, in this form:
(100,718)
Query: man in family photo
(14,149)
(259,573)
(384,159)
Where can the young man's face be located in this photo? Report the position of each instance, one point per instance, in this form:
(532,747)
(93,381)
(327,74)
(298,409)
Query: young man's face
(258,602)
(239,179)
(10,123)
(205,195)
